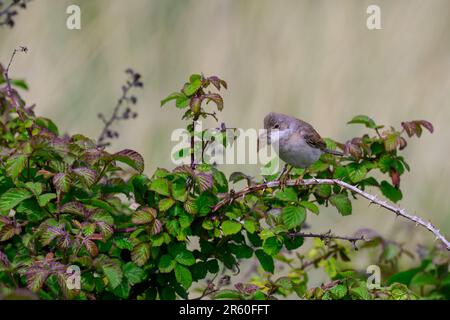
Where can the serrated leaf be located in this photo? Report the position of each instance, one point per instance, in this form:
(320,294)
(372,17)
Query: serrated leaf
(62,182)
(131,158)
(356,172)
(113,273)
(250,226)
(88,176)
(36,278)
(183,276)
(166,263)
(293,216)
(141,253)
(44,199)
(323,190)
(74,208)
(192,87)
(390,191)
(342,203)
(160,186)
(144,216)
(15,165)
(265,260)
(365,120)
(272,246)
(287,194)
(172,96)
(231,227)
(310,206)
(13,197)
(204,181)
(133,273)
(165,204)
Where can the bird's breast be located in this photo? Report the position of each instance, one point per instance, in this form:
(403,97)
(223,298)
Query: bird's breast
(296,152)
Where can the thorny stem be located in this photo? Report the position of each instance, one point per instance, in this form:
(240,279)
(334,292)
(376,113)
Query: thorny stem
(308,182)
(328,235)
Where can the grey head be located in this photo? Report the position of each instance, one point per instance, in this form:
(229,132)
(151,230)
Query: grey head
(279,121)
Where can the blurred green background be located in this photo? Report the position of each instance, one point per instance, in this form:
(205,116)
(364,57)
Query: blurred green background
(313,59)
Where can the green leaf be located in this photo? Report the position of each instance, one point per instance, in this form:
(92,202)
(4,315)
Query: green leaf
(87,176)
(212,266)
(185,257)
(165,204)
(272,246)
(114,274)
(287,194)
(15,165)
(62,182)
(361,292)
(48,124)
(172,96)
(131,158)
(390,191)
(183,276)
(133,273)
(166,263)
(250,226)
(13,197)
(19,83)
(231,227)
(310,206)
(265,260)
(342,203)
(423,278)
(403,277)
(339,291)
(192,87)
(365,120)
(293,243)
(141,253)
(356,172)
(144,216)
(227,295)
(179,191)
(323,190)
(35,187)
(293,216)
(44,199)
(160,186)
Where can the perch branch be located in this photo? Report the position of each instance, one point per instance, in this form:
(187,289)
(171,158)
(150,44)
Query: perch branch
(309,182)
(328,235)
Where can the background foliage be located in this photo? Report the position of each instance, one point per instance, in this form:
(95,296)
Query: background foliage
(65,200)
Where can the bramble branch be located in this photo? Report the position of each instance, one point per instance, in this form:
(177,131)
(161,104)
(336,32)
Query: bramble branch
(329,236)
(310,182)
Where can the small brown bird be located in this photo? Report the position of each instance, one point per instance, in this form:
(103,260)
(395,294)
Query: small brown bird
(299,144)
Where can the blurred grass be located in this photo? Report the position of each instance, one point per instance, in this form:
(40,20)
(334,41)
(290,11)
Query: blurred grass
(312,59)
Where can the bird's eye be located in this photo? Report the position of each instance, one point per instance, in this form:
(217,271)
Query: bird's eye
(276,126)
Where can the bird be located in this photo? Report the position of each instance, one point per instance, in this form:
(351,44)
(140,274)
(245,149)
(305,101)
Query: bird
(299,144)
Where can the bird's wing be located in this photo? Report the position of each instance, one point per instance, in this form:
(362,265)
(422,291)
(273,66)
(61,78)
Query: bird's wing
(311,136)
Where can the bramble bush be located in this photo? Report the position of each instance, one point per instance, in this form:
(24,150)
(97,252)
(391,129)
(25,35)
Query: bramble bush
(66,201)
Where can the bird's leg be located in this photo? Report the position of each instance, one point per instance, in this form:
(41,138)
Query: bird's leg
(284,176)
(300,178)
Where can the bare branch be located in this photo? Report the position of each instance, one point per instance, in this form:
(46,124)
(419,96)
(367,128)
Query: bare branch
(309,182)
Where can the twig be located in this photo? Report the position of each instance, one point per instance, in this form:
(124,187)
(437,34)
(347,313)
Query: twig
(328,235)
(9,12)
(308,182)
(106,132)
(9,90)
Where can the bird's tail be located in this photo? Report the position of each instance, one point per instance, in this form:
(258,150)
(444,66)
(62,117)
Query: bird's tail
(334,152)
